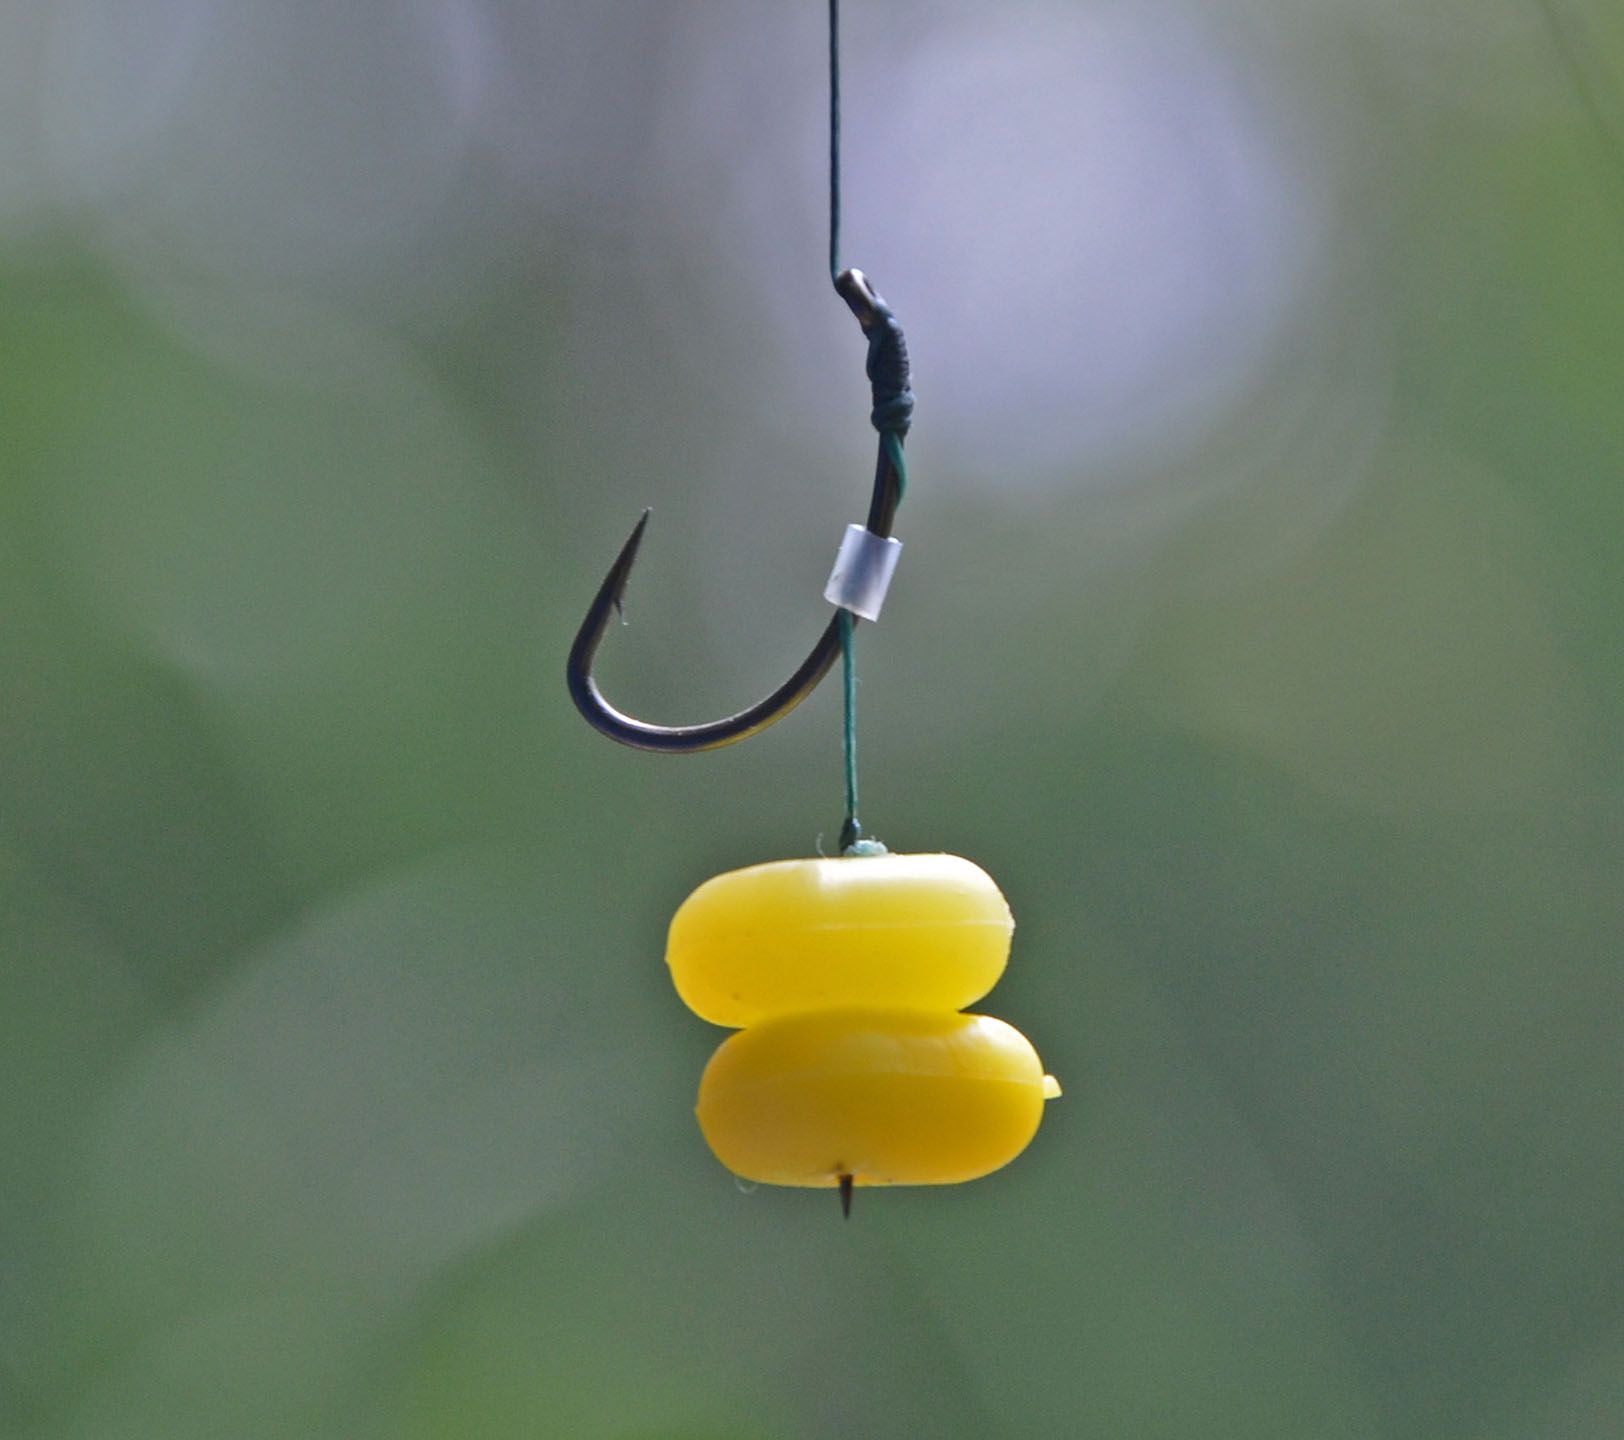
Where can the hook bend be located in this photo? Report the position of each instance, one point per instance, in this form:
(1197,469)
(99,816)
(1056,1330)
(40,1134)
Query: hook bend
(893,408)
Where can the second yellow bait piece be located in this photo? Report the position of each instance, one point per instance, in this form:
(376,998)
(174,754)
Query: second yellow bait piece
(888,1097)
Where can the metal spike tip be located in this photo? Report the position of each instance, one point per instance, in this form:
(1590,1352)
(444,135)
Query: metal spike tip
(845,1195)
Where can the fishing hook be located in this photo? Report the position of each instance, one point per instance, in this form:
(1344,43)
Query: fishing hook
(893,409)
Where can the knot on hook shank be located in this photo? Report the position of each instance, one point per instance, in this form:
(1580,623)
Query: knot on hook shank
(888,375)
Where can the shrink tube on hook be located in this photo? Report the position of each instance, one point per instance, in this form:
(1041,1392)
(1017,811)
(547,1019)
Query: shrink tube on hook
(863,569)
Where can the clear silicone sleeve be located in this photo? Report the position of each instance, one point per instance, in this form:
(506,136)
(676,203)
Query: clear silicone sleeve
(863,569)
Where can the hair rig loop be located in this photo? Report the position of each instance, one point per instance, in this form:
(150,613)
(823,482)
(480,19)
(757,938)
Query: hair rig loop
(862,569)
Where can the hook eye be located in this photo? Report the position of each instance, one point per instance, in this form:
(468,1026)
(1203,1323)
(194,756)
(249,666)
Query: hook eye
(853,287)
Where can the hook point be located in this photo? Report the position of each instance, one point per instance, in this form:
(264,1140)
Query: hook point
(621,570)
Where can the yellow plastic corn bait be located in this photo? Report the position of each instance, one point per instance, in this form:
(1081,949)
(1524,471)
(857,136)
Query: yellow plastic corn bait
(855,1065)
(889,1097)
(926,932)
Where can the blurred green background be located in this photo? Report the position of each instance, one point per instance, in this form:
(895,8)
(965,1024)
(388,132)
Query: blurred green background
(1258,630)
